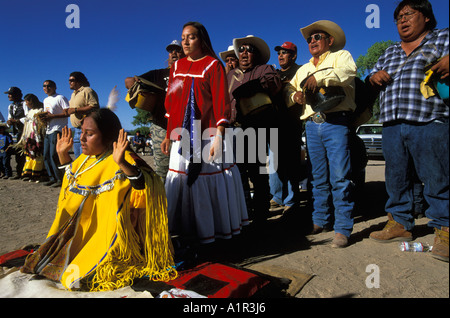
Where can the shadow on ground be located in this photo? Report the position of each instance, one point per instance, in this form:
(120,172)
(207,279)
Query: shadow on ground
(287,233)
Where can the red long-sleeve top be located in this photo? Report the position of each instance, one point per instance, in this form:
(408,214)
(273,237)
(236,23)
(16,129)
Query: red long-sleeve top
(210,91)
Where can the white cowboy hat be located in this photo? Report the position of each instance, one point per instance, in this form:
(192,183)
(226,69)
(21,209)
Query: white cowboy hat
(224,54)
(262,46)
(329,27)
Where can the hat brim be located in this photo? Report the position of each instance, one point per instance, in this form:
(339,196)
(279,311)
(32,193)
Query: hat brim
(279,48)
(172,47)
(260,44)
(329,27)
(223,55)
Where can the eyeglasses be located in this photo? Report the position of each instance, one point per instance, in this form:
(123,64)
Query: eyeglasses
(408,16)
(248,48)
(316,37)
(47,86)
(72,80)
(283,52)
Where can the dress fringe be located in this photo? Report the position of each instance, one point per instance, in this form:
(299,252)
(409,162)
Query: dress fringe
(145,251)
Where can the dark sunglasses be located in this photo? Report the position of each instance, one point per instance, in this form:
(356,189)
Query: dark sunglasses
(283,52)
(72,80)
(248,48)
(47,86)
(316,37)
(176,51)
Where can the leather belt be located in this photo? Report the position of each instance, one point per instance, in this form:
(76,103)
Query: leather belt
(320,118)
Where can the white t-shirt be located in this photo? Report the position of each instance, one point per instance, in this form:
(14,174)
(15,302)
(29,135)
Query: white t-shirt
(55,104)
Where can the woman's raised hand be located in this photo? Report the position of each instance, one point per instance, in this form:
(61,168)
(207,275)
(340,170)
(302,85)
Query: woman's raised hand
(119,147)
(64,141)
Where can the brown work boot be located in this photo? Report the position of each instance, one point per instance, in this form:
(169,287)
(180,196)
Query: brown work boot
(275,207)
(339,241)
(318,229)
(440,247)
(392,232)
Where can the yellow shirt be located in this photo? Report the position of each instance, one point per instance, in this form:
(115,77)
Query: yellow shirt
(340,71)
(82,97)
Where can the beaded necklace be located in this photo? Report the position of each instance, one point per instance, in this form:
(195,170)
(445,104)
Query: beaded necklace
(78,172)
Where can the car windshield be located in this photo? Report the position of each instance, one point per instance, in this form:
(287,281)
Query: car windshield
(370,130)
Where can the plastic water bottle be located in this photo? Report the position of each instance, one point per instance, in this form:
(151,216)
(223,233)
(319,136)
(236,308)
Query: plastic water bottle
(414,247)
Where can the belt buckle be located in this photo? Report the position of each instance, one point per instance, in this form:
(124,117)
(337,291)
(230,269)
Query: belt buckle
(319,118)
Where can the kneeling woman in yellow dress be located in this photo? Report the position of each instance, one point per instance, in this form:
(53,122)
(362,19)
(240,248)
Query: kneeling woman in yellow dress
(111,220)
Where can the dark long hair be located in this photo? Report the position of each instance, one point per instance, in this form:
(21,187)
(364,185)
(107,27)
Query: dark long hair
(423,6)
(108,123)
(34,101)
(80,78)
(204,37)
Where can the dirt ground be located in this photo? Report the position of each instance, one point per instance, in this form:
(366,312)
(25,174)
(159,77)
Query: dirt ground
(364,269)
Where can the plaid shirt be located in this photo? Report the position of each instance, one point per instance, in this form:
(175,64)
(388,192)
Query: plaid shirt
(402,99)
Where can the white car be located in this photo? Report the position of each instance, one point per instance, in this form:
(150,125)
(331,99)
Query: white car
(371,134)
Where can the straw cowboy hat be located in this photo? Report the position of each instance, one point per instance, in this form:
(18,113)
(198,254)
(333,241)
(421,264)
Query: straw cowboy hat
(263,48)
(224,54)
(329,27)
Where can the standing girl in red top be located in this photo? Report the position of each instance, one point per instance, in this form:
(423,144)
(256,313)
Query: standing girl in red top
(205,195)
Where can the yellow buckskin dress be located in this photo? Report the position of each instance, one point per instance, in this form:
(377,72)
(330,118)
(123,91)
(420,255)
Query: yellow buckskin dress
(106,233)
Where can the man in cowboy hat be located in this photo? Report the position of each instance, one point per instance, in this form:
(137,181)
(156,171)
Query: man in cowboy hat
(327,130)
(159,77)
(230,59)
(252,87)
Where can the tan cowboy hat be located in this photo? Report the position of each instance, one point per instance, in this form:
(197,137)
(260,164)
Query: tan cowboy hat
(224,54)
(262,46)
(329,27)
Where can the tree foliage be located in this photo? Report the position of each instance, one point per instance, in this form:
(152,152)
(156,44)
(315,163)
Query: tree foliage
(365,64)
(141,120)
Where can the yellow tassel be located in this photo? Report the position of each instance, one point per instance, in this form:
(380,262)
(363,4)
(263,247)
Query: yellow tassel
(136,254)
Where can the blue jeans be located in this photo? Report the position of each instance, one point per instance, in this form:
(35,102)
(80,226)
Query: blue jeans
(283,193)
(284,183)
(76,143)
(284,187)
(425,147)
(5,164)
(329,154)
(50,156)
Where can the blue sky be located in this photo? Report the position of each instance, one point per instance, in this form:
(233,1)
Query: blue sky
(119,38)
